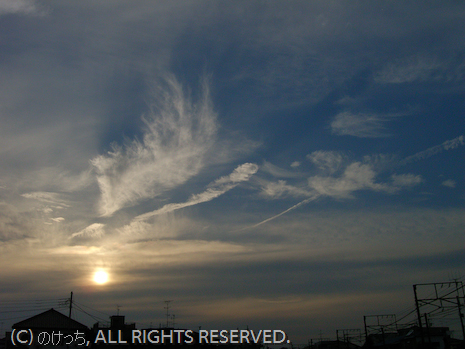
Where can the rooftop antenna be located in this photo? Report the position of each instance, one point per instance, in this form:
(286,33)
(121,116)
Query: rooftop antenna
(167,307)
(70,304)
(117,309)
(173,323)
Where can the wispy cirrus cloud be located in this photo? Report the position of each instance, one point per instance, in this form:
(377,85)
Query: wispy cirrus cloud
(179,134)
(220,186)
(362,125)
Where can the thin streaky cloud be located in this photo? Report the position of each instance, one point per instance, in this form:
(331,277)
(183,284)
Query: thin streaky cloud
(361,125)
(217,188)
(408,70)
(46,197)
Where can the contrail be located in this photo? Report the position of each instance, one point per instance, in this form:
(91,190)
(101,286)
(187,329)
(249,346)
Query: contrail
(447,145)
(215,189)
(280,214)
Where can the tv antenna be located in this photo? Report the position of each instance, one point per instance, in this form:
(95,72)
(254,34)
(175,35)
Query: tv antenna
(167,307)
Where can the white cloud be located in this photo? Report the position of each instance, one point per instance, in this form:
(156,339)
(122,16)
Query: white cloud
(295,164)
(360,125)
(449,183)
(220,186)
(328,161)
(178,138)
(282,189)
(356,176)
(58,219)
(240,174)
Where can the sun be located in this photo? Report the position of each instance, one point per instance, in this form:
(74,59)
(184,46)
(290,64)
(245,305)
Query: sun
(101,277)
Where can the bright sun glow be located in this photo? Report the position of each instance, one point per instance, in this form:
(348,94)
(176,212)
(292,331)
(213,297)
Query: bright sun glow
(100,277)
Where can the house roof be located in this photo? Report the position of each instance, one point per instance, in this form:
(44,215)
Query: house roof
(50,319)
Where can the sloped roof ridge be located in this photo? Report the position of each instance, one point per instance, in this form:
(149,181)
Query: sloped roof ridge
(50,319)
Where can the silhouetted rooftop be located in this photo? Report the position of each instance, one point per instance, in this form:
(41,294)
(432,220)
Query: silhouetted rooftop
(50,319)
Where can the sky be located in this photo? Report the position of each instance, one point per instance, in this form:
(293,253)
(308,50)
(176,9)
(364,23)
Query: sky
(289,165)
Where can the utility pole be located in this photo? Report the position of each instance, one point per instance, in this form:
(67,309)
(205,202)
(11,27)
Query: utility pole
(366,330)
(427,329)
(459,306)
(418,314)
(70,304)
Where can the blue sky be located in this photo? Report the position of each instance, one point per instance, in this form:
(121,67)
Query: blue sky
(289,165)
